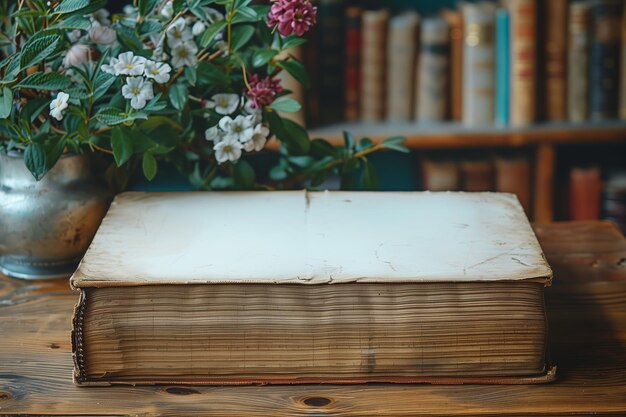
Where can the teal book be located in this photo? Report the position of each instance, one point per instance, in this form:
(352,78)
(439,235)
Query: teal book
(503,66)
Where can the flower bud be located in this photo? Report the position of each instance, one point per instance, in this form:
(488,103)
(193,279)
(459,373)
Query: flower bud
(102,35)
(198,28)
(168,10)
(78,54)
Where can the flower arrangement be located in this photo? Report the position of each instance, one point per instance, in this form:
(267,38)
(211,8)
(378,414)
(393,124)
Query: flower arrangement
(190,82)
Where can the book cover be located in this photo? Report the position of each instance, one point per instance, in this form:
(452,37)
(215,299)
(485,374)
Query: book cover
(440,174)
(555,51)
(401,55)
(477,174)
(513,175)
(432,71)
(353,62)
(614,198)
(585,189)
(604,59)
(373,64)
(478,63)
(455,73)
(578,62)
(503,66)
(523,61)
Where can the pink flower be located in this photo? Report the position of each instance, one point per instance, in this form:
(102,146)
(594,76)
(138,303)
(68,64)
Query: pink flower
(292,16)
(263,91)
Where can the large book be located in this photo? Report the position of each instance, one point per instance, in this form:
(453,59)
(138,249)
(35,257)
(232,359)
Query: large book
(585,188)
(373,64)
(353,63)
(440,174)
(401,55)
(523,61)
(477,174)
(604,59)
(301,287)
(432,71)
(503,66)
(513,175)
(455,72)
(555,51)
(478,63)
(578,62)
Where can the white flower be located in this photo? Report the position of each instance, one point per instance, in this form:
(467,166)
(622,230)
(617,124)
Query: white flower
(178,33)
(58,105)
(110,67)
(158,71)
(158,40)
(198,28)
(74,35)
(222,46)
(240,127)
(78,54)
(258,139)
(138,91)
(213,134)
(102,35)
(228,149)
(213,15)
(253,110)
(128,9)
(184,54)
(168,10)
(225,103)
(129,64)
(102,17)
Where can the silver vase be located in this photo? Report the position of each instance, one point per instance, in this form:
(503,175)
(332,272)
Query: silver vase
(47,225)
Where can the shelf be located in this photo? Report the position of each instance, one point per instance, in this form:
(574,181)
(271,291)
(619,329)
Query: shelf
(451,135)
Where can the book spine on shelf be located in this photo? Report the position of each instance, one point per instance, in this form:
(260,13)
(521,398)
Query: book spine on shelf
(440,174)
(622,77)
(373,64)
(478,63)
(330,60)
(455,72)
(604,59)
(555,24)
(401,54)
(353,62)
(477,175)
(432,70)
(523,61)
(578,62)
(503,57)
(585,189)
(513,176)
(614,198)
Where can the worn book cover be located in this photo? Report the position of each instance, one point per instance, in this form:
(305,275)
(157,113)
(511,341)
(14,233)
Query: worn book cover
(432,71)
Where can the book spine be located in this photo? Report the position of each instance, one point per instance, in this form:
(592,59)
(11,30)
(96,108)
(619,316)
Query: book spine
(455,73)
(523,61)
(513,176)
(432,70)
(353,62)
(622,79)
(502,66)
(477,175)
(578,62)
(373,64)
(585,192)
(401,53)
(478,63)
(330,61)
(555,54)
(604,61)
(440,175)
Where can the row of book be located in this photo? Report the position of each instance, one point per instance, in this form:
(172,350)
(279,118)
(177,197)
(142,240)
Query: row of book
(512,62)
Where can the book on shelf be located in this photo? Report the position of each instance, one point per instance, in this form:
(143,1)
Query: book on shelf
(401,56)
(373,63)
(622,76)
(578,62)
(455,66)
(353,62)
(478,63)
(503,66)
(441,288)
(513,175)
(477,174)
(585,188)
(606,17)
(555,51)
(432,80)
(614,198)
(440,174)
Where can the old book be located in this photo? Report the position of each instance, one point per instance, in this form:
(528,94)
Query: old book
(478,63)
(513,175)
(523,61)
(503,66)
(477,174)
(440,174)
(432,71)
(578,62)
(401,53)
(604,59)
(455,67)
(373,64)
(353,63)
(297,287)
(555,51)
(614,198)
(585,188)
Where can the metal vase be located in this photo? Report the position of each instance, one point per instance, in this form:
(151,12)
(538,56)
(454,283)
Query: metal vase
(47,225)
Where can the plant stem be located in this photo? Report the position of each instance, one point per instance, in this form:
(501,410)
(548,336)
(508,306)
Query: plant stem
(231,14)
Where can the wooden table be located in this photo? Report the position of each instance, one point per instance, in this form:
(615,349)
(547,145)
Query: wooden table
(587,316)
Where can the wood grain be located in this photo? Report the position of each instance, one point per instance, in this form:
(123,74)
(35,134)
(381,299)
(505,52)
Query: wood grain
(587,316)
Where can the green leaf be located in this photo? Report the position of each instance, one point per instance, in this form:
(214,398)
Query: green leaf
(396,143)
(35,160)
(102,84)
(38,49)
(292,41)
(288,105)
(278,173)
(243,175)
(211,31)
(192,75)
(263,56)
(178,96)
(73,22)
(45,81)
(348,140)
(296,137)
(209,73)
(54,149)
(6,103)
(297,71)
(369,177)
(33,108)
(146,6)
(122,144)
(240,36)
(68,6)
(149,166)
(318,178)
(364,143)
(111,116)
(321,147)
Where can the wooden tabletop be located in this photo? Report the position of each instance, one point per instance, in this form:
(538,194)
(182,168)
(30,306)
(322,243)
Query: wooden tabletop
(587,317)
